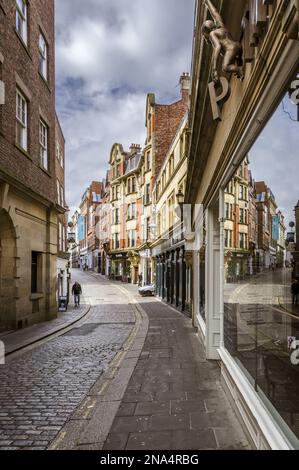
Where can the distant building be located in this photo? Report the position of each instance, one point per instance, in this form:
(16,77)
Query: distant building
(125,212)
(236,226)
(62,228)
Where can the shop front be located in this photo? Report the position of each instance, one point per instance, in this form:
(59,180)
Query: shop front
(173,275)
(245,301)
(120,267)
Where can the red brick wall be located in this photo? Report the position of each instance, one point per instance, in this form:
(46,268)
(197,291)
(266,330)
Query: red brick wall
(166,123)
(25,62)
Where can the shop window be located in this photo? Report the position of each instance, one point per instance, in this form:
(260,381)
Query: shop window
(261,290)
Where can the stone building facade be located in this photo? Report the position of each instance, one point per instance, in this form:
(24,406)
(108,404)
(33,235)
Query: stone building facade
(28,205)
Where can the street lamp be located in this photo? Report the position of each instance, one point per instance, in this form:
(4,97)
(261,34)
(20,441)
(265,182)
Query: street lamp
(180,198)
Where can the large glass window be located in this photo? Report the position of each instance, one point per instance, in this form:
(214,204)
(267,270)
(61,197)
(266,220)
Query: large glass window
(21,20)
(261,259)
(43,57)
(21,121)
(43,145)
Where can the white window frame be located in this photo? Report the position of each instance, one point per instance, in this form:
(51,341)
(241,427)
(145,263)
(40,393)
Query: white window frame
(43,56)
(44,145)
(21,20)
(22,120)
(60,193)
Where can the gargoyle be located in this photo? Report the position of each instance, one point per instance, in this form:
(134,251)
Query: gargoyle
(220,38)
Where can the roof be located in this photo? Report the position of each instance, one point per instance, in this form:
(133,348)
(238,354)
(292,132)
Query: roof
(132,164)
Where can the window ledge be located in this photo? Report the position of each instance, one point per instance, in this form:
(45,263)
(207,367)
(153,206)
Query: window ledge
(36,296)
(46,171)
(25,46)
(45,81)
(23,151)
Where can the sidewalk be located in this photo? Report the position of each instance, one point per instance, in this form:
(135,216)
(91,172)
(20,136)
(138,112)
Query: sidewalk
(19,339)
(160,393)
(174,399)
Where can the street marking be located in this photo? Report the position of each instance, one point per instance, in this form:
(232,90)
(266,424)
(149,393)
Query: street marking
(58,440)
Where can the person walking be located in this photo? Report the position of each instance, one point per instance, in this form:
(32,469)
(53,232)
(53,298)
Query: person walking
(77,291)
(295,291)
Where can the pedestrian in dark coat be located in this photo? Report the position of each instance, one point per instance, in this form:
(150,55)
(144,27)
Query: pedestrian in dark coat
(77,292)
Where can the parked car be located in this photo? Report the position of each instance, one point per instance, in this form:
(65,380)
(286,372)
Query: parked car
(147,290)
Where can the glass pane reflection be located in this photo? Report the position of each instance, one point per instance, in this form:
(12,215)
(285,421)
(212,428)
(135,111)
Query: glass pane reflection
(261,267)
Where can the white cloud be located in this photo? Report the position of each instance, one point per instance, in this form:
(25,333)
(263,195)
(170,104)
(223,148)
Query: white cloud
(274,159)
(110,54)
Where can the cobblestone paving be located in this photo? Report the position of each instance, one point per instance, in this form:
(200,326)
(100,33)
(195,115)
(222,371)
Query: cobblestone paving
(41,389)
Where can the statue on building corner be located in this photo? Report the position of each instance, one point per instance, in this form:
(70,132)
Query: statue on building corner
(216,33)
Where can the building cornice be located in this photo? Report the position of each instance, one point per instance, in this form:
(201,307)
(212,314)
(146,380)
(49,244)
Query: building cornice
(24,190)
(265,71)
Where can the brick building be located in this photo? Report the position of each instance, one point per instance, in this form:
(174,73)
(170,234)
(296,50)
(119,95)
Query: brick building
(88,239)
(162,124)
(62,246)
(28,204)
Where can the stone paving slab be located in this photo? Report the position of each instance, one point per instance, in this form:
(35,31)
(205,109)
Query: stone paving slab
(174,399)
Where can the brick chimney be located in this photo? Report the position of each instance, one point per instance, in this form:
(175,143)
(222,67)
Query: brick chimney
(135,148)
(185,82)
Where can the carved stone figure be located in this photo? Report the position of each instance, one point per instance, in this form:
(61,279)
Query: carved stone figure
(219,36)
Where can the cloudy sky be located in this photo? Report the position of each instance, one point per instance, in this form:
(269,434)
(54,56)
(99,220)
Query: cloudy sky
(274,158)
(109,55)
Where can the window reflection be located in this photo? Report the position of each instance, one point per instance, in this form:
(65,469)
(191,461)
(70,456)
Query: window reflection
(261,258)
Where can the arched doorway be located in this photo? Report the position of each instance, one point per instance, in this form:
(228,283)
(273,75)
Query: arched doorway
(7,272)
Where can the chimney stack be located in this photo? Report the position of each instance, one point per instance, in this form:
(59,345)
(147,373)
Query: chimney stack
(185,82)
(135,148)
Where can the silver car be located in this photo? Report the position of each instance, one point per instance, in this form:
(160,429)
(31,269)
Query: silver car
(147,290)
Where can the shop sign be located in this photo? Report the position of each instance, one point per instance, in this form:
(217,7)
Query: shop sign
(219,93)
(293,345)
(295,92)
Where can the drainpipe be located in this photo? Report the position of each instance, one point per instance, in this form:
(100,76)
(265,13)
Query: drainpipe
(48,263)
(221,273)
